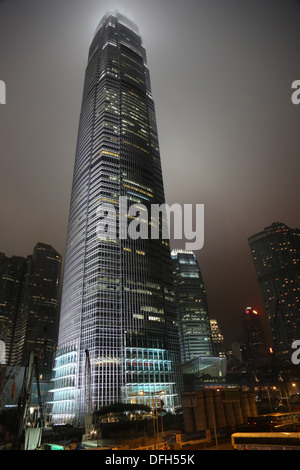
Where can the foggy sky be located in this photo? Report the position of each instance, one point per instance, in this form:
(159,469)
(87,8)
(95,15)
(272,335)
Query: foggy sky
(221,75)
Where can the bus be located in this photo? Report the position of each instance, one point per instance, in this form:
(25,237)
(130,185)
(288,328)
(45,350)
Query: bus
(274,421)
(265,441)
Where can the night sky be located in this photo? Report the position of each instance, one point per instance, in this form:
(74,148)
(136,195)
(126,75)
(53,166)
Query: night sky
(221,75)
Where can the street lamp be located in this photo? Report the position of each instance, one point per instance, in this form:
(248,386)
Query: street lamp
(159,395)
(154,413)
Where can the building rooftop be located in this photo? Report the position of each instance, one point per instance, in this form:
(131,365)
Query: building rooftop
(121,18)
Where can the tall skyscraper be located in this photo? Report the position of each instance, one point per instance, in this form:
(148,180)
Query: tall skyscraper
(255,338)
(29,306)
(276,256)
(36,327)
(117,308)
(192,311)
(218,344)
(11,281)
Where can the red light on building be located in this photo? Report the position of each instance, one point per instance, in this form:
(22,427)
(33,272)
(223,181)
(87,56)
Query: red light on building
(250,309)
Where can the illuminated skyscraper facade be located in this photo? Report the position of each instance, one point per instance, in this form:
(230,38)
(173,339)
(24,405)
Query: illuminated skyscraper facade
(192,310)
(276,256)
(118,298)
(217,338)
(11,278)
(37,319)
(29,306)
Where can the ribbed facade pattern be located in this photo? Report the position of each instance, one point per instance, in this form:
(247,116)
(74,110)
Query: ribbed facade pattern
(192,310)
(118,297)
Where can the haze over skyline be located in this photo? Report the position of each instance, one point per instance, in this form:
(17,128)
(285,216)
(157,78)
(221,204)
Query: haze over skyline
(229,136)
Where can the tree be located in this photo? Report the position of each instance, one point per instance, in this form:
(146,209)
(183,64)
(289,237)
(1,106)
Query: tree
(120,409)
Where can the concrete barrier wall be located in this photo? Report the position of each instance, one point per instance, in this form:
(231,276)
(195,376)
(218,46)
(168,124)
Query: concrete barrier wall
(205,409)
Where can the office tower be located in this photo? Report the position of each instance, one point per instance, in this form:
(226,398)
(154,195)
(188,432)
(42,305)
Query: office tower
(11,278)
(238,350)
(118,331)
(36,325)
(255,340)
(191,306)
(217,338)
(276,255)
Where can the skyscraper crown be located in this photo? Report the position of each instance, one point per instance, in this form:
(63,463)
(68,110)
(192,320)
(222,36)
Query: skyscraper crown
(121,18)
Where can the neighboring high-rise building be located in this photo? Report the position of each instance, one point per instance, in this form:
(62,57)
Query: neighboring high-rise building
(276,256)
(217,338)
(118,329)
(192,311)
(238,350)
(255,339)
(36,323)
(11,281)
